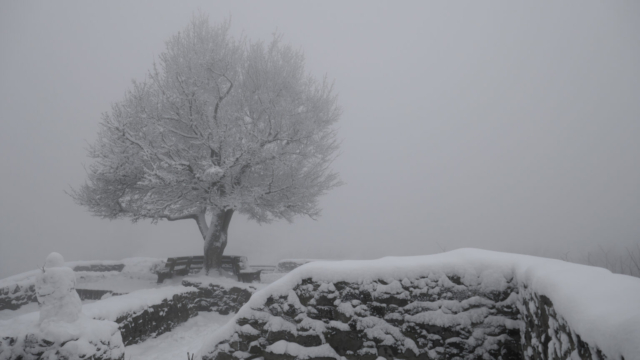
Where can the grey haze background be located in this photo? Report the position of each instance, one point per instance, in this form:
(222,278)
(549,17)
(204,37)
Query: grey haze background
(498,125)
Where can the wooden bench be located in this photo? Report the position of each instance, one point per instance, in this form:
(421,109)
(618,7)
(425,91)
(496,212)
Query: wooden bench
(184,265)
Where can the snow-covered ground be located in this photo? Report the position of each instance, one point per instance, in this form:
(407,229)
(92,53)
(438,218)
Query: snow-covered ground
(600,306)
(187,337)
(138,280)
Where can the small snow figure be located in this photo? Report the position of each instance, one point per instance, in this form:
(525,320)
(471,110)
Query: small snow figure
(56,291)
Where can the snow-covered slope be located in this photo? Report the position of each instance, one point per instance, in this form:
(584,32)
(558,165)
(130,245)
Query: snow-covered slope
(186,338)
(561,309)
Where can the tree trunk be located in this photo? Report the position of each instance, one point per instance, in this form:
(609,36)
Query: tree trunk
(216,240)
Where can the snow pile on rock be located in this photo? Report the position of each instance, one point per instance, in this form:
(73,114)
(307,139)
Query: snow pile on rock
(466,303)
(60,331)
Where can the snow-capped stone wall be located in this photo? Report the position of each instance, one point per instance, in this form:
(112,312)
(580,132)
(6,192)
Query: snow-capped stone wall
(434,317)
(19,290)
(223,298)
(14,296)
(468,304)
(148,313)
(547,335)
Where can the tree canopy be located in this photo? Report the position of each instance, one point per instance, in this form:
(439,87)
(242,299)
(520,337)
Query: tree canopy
(219,125)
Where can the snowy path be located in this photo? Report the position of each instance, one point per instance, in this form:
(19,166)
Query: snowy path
(174,345)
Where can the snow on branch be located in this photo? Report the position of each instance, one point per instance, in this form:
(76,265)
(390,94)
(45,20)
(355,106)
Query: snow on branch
(219,124)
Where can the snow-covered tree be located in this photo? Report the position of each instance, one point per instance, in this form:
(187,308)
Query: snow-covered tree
(219,126)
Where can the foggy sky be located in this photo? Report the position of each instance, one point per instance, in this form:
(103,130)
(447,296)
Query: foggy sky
(497,125)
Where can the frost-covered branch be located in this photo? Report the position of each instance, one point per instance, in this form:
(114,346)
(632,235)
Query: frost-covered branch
(219,126)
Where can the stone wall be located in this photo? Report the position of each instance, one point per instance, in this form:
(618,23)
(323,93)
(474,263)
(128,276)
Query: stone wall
(546,335)
(91,294)
(218,298)
(157,319)
(15,296)
(435,317)
(162,317)
(19,290)
(432,317)
(99,267)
